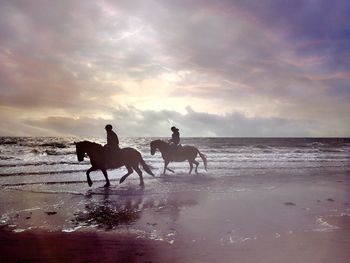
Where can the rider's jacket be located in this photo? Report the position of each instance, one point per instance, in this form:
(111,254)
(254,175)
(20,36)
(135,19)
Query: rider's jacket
(112,138)
(175,138)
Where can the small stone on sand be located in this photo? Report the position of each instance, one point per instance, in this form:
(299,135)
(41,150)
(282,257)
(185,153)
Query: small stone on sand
(289,203)
(51,213)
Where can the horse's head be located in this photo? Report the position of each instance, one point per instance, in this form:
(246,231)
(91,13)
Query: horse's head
(80,151)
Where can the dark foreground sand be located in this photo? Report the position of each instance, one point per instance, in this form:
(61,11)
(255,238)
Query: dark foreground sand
(102,247)
(181,219)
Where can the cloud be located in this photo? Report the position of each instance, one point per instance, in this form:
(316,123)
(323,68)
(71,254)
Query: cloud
(257,63)
(134,122)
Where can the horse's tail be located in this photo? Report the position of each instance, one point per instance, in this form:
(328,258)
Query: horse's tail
(146,167)
(204,158)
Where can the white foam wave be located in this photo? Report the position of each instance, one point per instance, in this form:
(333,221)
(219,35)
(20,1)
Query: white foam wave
(324,226)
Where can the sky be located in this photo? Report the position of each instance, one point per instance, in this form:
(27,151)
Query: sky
(263,68)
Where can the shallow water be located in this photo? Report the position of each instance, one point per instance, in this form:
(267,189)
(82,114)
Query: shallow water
(181,208)
(51,157)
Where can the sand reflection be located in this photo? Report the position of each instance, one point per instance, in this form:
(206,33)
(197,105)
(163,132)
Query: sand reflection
(110,209)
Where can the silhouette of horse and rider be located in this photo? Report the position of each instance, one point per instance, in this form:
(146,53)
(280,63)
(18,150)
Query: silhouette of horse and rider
(172,151)
(111,156)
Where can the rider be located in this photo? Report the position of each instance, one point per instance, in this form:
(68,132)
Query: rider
(175,138)
(112,146)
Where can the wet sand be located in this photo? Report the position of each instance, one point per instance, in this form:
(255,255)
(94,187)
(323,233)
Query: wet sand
(180,218)
(103,247)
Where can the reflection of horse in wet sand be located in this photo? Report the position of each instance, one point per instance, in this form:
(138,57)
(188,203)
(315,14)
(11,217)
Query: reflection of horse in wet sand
(109,208)
(128,157)
(183,153)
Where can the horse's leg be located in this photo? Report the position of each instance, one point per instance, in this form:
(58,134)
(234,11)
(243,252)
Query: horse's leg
(166,162)
(191,166)
(139,172)
(171,170)
(130,171)
(88,175)
(107,184)
(196,163)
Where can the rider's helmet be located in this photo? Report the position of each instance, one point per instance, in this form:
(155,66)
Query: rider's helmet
(108,127)
(174,129)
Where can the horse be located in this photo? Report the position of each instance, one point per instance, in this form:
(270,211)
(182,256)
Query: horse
(128,157)
(182,154)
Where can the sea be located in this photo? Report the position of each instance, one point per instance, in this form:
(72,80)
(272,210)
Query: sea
(53,160)
(291,182)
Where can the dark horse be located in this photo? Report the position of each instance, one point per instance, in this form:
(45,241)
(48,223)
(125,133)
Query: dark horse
(182,154)
(129,157)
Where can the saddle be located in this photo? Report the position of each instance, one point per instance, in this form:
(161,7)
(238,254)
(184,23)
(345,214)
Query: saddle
(175,148)
(112,156)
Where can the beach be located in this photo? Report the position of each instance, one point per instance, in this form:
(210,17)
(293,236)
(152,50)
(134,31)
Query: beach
(238,211)
(221,128)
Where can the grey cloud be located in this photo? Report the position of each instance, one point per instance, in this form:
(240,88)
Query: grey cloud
(133,122)
(45,48)
(69,126)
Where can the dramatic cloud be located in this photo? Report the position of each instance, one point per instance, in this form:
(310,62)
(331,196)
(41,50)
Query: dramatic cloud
(133,122)
(215,68)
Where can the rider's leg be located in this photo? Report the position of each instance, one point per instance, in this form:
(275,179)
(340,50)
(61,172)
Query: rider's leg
(106,153)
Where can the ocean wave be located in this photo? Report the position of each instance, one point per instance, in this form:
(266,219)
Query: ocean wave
(55,152)
(41,163)
(53,191)
(45,183)
(52,152)
(316,144)
(42,173)
(333,150)
(307,151)
(261,146)
(5,158)
(36,151)
(8,142)
(55,145)
(19,154)
(89,192)
(324,226)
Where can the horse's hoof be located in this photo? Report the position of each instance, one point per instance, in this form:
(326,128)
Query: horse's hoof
(107,185)
(90,183)
(121,180)
(142,184)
